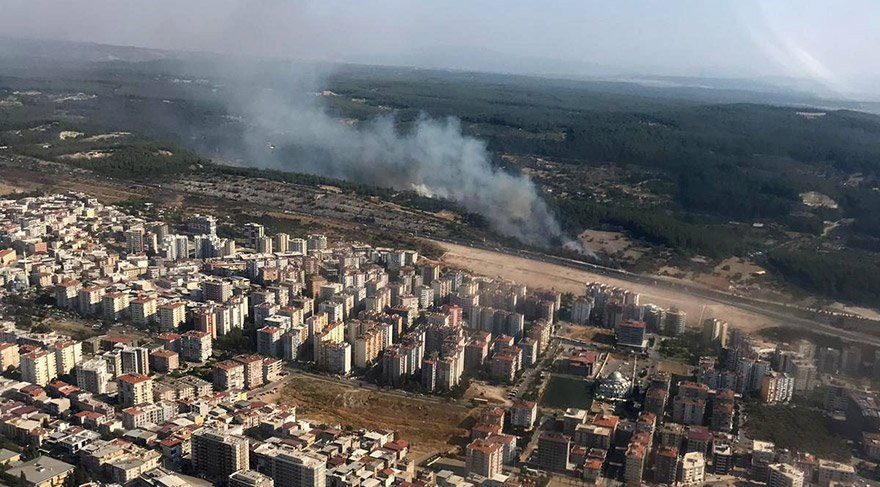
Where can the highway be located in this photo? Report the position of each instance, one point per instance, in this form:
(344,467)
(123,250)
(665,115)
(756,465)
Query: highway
(781,313)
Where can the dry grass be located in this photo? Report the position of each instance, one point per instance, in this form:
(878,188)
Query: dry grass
(586,333)
(428,426)
(77,328)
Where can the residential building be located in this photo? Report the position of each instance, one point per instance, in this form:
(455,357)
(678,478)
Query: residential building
(135,360)
(483,458)
(93,376)
(553,451)
(692,469)
(134,389)
(218,454)
(172,315)
(38,367)
(195,346)
(830,471)
(785,475)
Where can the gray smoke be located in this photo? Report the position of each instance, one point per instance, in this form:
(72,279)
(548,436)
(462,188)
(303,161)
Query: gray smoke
(430,156)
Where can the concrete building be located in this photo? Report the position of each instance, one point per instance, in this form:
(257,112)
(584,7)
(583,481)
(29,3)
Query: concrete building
(298,469)
(281,242)
(9,355)
(553,451)
(93,376)
(692,469)
(776,387)
(634,464)
(216,290)
(134,389)
(269,341)
(666,465)
(715,332)
(228,374)
(195,346)
(218,454)
(172,315)
(829,471)
(253,370)
(581,308)
(523,414)
(164,360)
(38,367)
(785,475)
(68,353)
(115,306)
(483,458)
(144,310)
(135,360)
(249,478)
(43,471)
(675,322)
(632,334)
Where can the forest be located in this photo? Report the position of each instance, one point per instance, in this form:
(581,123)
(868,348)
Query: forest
(725,159)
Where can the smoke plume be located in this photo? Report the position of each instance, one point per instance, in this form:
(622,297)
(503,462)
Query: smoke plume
(430,156)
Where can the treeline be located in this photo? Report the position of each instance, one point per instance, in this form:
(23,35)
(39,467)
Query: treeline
(653,226)
(740,161)
(845,275)
(146,161)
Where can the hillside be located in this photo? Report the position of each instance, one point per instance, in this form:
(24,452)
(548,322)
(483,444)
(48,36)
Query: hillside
(709,184)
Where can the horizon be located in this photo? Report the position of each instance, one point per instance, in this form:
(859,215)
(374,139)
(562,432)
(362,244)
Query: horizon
(827,47)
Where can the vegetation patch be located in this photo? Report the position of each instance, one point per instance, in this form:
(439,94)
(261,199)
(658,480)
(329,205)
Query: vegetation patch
(565,391)
(796,428)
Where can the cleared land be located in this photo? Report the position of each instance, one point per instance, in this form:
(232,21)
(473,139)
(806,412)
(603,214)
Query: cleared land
(565,391)
(429,426)
(543,275)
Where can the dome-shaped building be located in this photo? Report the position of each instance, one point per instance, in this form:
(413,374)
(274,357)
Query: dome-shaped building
(614,386)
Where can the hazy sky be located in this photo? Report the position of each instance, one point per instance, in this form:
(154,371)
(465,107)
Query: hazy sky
(835,42)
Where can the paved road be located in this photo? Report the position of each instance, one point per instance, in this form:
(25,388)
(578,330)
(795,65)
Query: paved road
(531,373)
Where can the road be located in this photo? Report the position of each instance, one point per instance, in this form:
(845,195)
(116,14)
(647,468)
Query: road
(531,373)
(783,313)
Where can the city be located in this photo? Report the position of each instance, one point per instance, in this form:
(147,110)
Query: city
(325,243)
(196,336)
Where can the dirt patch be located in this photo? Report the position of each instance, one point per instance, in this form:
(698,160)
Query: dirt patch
(614,244)
(542,275)
(86,155)
(674,367)
(493,394)
(586,333)
(77,328)
(110,136)
(428,426)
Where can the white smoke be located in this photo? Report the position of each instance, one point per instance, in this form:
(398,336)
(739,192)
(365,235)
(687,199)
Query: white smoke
(430,156)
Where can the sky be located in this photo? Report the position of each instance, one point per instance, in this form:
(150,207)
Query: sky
(830,42)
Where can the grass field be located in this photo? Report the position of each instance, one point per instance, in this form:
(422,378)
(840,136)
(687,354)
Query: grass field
(428,426)
(565,391)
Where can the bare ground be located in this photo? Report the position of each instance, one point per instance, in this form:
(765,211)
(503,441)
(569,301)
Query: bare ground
(543,275)
(429,426)
(493,394)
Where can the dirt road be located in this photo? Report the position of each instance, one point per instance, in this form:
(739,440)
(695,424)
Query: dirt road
(545,275)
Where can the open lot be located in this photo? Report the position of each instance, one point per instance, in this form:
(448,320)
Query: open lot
(429,426)
(537,274)
(566,391)
(492,393)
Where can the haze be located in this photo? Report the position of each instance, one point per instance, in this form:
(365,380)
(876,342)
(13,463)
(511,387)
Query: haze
(832,43)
